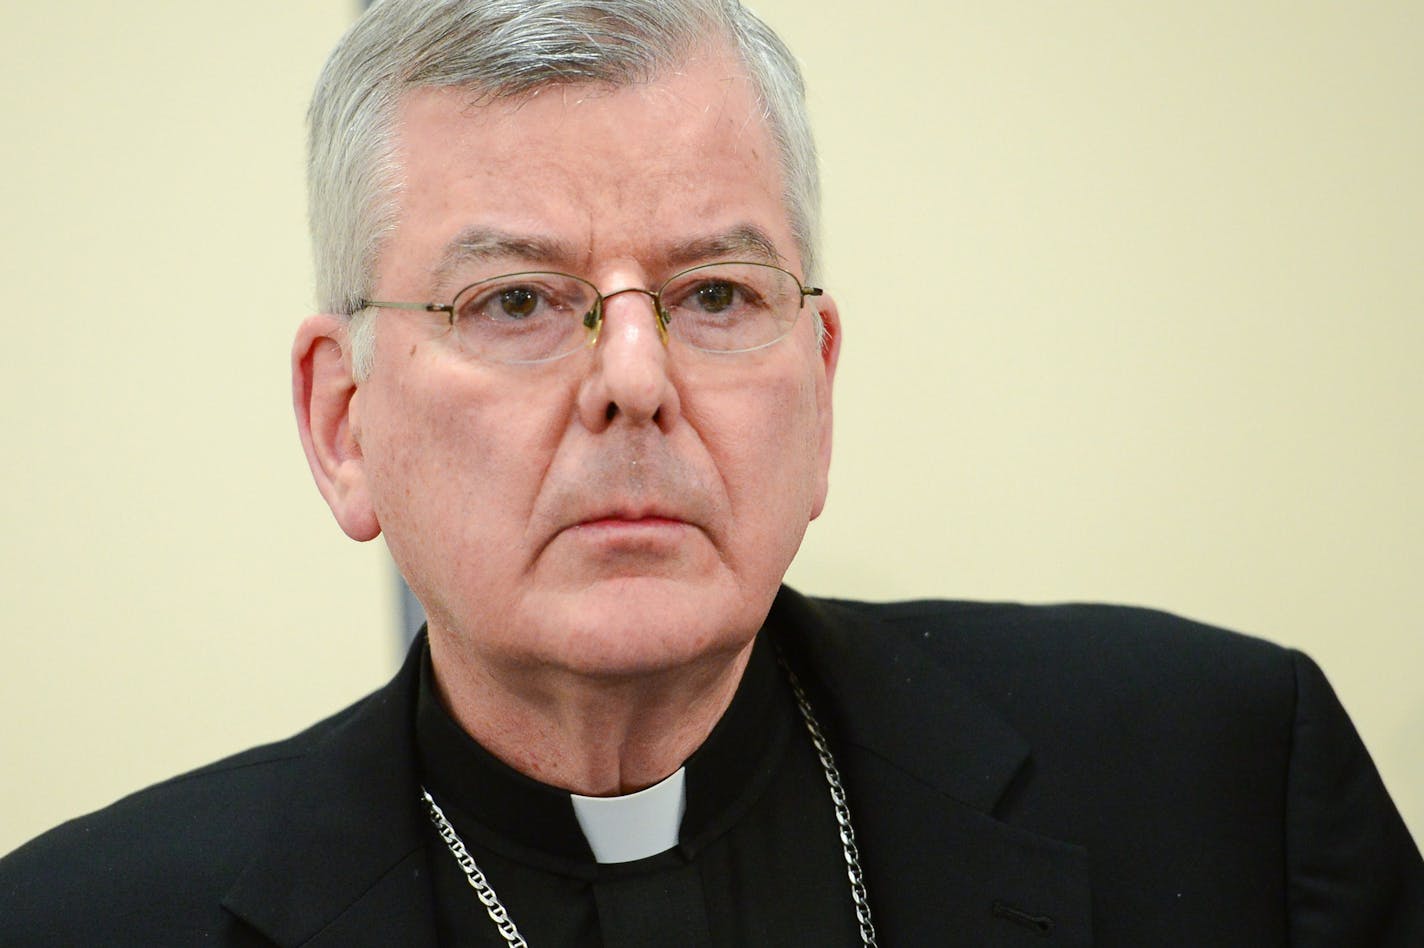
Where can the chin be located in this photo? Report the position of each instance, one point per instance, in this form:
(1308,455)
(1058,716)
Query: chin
(643,626)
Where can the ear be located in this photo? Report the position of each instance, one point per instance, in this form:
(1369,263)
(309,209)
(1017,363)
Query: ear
(327,405)
(830,356)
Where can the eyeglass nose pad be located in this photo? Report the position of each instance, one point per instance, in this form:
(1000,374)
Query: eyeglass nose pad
(663,319)
(593,322)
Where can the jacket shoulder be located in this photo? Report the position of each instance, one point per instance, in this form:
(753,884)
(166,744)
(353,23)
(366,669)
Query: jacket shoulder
(1226,751)
(1099,690)
(1116,649)
(160,858)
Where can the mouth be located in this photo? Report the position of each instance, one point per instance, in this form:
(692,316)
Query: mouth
(631,520)
(630,531)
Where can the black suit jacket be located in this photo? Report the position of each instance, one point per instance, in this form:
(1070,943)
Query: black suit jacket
(1075,775)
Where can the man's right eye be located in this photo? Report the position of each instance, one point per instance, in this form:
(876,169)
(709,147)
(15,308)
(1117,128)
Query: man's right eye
(510,303)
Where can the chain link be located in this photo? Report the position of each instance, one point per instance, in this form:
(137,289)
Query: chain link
(838,799)
(493,906)
(500,916)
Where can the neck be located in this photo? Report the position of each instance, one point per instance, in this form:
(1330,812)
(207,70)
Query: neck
(593,735)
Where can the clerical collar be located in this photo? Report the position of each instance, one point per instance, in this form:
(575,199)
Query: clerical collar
(635,825)
(496,806)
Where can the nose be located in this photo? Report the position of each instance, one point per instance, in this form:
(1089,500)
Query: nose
(629,381)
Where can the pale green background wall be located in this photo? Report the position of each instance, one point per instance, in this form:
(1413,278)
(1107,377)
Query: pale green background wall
(1133,304)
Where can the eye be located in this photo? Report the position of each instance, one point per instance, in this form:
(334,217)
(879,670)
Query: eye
(531,316)
(523,298)
(518,302)
(714,296)
(731,307)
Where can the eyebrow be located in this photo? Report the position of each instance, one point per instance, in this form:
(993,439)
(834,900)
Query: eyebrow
(483,244)
(743,242)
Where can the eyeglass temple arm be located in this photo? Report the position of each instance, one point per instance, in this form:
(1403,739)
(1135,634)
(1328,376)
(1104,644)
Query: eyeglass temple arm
(387,304)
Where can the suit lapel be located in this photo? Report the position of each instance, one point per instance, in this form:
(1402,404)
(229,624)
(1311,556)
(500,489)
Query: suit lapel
(347,865)
(925,763)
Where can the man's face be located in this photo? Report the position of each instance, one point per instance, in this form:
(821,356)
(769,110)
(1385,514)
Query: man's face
(630,507)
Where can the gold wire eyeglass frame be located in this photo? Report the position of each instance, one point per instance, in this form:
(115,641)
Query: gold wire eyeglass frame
(593,319)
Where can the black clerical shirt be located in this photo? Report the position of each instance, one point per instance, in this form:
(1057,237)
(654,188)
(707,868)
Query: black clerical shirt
(758,859)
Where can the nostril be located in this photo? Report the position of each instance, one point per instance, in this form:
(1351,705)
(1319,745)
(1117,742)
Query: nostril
(610,412)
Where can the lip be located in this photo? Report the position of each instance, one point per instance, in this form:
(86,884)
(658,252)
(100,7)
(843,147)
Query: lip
(620,513)
(623,543)
(629,530)
(629,522)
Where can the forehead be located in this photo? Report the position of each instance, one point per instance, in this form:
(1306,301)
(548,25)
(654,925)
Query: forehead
(588,172)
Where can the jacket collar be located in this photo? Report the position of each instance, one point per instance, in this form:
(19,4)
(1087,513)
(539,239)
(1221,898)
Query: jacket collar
(926,764)
(346,864)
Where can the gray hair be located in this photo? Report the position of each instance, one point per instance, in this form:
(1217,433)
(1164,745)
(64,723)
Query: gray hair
(509,48)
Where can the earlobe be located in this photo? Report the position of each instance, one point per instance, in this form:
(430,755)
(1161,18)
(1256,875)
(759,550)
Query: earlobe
(326,400)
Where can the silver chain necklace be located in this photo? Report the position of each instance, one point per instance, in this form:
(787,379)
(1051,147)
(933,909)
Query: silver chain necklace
(507,929)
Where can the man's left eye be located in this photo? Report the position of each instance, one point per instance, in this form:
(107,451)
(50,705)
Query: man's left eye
(518,302)
(716,296)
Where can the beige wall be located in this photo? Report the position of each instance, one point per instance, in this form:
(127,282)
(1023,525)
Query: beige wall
(1133,300)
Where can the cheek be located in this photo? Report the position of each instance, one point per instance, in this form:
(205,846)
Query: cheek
(763,435)
(462,453)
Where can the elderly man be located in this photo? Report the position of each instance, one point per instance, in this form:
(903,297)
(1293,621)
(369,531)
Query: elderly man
(572,365)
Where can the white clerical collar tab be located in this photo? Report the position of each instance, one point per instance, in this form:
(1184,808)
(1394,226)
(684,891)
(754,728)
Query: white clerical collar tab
(635,826)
